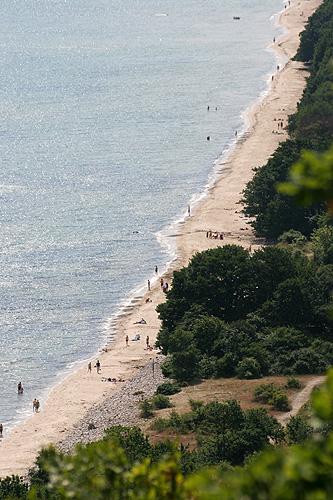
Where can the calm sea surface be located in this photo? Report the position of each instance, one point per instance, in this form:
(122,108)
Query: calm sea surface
(103,109)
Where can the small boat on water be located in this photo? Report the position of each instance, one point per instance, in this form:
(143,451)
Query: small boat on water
(236,17)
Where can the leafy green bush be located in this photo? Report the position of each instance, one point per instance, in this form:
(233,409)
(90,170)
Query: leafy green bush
(195,405)
(292,236)
(264,392)
(279,400)
(225,366)
(160,401)
(160,424)
(166,367)
(293,383)
(322,244)
(298,430)
(207,367)
(168,388)
(249,368)
(309,361)
(146,409)
(272,395)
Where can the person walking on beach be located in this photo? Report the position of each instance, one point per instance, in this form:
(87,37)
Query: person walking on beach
(149,285)
(37,405)
(126,340)
(189,210)
(98,366)
(1,430)
(147,341)
(156,269)
(89,367)
(162,282)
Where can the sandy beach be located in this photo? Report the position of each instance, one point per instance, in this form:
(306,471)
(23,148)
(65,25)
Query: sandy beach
(70,400)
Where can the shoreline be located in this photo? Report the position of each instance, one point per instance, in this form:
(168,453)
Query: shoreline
(69,401)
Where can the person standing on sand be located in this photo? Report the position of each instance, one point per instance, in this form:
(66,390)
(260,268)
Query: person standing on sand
(89,367)
(148,285)
(1,430)
(126,340)
(156,269)
(98,366)
(189,210)
(37,406)
(147,341)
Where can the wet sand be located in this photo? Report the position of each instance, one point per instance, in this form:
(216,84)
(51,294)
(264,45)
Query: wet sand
(69,401)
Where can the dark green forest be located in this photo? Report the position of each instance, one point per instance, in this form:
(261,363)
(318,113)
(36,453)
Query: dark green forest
(310,128)
(233,314)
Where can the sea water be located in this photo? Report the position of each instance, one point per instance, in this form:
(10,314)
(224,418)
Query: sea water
(103,144)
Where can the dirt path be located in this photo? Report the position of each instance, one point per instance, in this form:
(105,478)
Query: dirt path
(301,398)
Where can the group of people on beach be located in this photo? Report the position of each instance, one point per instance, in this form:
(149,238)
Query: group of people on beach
(97,366)
(164,286)
(280,125)
(215,235)
(35,405)
(114,380)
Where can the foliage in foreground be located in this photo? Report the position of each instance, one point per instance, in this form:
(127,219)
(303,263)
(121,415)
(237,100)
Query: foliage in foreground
(103,471)
(311,179)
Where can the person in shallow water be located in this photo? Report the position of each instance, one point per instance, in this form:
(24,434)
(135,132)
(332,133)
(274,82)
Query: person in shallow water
(34,405)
